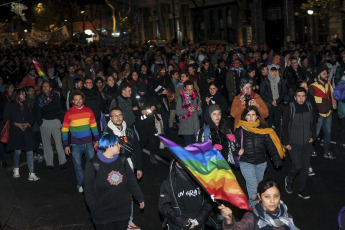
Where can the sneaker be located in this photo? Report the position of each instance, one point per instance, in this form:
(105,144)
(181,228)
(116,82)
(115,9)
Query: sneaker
(153,159)
(80,189)
(311,172)
(313,154)
(161,145)
(16,173)
(132,226)
(33,177)
(303,195)
(329,155)
(288,186)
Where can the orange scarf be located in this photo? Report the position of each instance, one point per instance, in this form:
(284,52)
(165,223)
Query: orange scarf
(251,126)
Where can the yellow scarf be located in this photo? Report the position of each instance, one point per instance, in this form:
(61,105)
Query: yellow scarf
(251,126)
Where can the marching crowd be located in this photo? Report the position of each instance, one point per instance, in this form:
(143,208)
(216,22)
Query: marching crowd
(109,103)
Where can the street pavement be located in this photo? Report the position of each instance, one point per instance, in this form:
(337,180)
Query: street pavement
(53,202)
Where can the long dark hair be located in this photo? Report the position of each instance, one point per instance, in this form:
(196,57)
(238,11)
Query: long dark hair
(255,109)
(267,184)
(157,71)
(16,98)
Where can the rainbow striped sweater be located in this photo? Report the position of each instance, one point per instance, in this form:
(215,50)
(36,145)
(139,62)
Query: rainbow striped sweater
(80,122)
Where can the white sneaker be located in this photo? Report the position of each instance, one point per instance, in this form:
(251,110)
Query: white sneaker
(80,189)
(16,173)
(33,177)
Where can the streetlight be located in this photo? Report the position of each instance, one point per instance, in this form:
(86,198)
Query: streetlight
(310,19)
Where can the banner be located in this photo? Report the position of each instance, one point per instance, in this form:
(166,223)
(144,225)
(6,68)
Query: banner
(8,37)
(114,41)
(59,35)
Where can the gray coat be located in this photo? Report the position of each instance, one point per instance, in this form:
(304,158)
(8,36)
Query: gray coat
(126,105)
(191,125)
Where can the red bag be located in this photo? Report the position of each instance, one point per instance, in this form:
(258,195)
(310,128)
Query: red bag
(5,133)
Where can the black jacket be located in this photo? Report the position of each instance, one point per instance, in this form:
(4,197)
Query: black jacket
(19,139)
(219,100)
(266,92)
(94,100)
(255,147)
(109,200)
(181,198)
(304,119)
(110,94)
(218,134)
(48,112)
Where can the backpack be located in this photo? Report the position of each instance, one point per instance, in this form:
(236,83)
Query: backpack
(293,109)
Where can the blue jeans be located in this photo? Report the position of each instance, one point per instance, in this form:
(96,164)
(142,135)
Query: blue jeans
(326,124)
(253,174)
(29,159)
(77,153)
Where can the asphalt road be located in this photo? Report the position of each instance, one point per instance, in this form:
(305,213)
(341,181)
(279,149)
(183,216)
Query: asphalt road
(53,202)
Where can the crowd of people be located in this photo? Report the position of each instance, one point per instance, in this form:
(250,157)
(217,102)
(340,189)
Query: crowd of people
(105,102)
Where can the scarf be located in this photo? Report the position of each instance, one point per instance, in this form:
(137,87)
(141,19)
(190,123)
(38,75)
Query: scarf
(188,99)
(274,85)
(268,220)
(44,100)
(120,133)
(251,126)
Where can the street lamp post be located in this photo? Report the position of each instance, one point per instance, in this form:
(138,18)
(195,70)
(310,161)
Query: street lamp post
(310,20)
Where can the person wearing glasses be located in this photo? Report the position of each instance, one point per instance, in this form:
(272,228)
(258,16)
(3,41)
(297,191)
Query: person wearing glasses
(188,108)
(130,144)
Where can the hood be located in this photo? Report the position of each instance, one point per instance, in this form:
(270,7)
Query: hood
(208,119)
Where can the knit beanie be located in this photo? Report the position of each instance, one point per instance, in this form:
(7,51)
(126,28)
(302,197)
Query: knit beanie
(213,108)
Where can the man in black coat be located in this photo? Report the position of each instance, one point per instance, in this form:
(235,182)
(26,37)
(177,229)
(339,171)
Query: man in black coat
(298,133)
(93,100)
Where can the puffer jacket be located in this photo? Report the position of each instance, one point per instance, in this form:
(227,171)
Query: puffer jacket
(255,147)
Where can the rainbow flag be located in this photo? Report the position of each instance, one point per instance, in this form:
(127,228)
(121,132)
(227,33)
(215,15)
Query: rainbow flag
(209,167)
(39,70)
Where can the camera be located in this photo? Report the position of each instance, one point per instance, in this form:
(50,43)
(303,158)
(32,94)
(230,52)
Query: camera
(248,98)
(143,117)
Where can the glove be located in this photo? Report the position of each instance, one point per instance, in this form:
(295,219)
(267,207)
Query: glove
(217,146)
(231,137)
